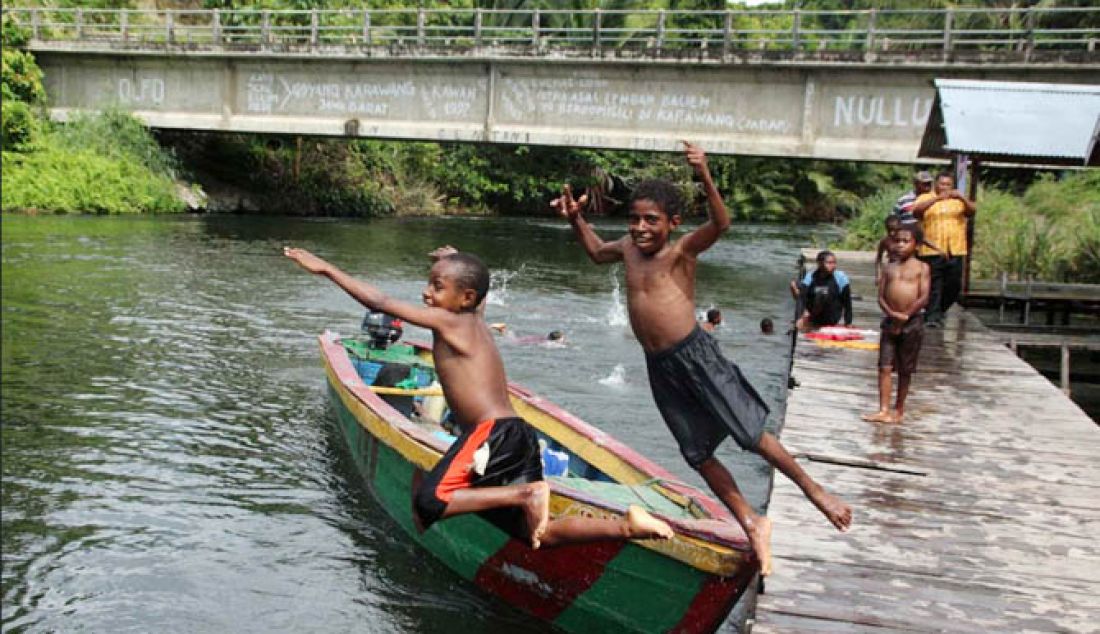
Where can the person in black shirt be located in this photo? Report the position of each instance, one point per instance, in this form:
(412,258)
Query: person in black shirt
(824,295)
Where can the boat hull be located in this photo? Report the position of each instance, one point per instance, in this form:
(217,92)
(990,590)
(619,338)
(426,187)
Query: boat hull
(606,586)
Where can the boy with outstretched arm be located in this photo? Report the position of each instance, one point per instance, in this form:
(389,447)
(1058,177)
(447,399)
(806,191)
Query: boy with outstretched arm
(702,396)
(903,289)
(495,463)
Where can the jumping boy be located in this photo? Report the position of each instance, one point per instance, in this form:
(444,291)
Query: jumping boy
(702,396)
(903,289)
(495,463)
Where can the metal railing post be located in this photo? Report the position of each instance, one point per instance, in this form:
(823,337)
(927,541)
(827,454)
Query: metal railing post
(366,27)
(216,27)
(169,27)
(420,26)
(796,25)
(124,25)
(660,29)
(265,29)
(596,18)
(313,29)
(477,26)
(869,45)
(80,24)
(948,25)
(535,28)
(727,33)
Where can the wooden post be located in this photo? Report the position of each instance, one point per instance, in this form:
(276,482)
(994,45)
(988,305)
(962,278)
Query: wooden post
(796,26)
(124,25)
(366,27)
(34,24)
(535,28)
(869,45)
(420,26)
(265,29)
(313,29)
(972,194)
(1029,44)
(596,32)
(948,25)
(727,34)
(1012,346)
(216,26)
(79,24)
(1001,301)
(660,30)
(1065,369)
(169,26)
(477,26)
(297,159)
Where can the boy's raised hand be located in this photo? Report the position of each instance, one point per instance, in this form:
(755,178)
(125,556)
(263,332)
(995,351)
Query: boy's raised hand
(306,260)
(567,206)
(696,157)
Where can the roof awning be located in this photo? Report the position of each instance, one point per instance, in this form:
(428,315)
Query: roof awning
(1013,122)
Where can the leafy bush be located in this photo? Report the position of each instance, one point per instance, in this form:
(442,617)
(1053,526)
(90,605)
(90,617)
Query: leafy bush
(20,78)
(867,226)
(20,128)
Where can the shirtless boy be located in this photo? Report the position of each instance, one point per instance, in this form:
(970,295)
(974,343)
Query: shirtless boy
(508,483)
(702,396)
(903,288)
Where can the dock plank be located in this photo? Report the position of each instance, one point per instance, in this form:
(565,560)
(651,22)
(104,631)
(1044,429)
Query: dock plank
(979,513)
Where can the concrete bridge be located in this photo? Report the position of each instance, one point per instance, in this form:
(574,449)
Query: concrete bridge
(788,87)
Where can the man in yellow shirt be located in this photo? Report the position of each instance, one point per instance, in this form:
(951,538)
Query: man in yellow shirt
(943,214)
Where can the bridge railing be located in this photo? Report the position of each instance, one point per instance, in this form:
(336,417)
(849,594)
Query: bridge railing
(1018,32)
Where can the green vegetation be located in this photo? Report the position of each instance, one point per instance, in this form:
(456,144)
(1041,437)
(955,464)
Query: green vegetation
(1051,232)
(106,163)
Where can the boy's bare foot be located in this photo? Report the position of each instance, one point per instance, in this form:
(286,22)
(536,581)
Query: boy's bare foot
(641,525)
(839,513)
(537,510)
(881,416)
(760,537)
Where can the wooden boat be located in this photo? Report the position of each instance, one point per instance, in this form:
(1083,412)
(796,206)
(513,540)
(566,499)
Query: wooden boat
(686,584)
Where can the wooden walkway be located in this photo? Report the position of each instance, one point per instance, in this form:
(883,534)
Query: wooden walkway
(981,513)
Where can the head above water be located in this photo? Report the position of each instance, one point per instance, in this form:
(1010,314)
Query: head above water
(766,326)
(714,316)
(555,335)
(457,282)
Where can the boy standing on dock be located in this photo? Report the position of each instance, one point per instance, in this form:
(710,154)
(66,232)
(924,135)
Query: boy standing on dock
(702,396)
(903,288)
(494,466)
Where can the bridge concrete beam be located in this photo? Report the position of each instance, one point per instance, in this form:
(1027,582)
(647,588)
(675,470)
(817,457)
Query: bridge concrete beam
(852,113)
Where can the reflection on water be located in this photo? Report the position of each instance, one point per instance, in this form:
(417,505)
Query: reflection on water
(168,459)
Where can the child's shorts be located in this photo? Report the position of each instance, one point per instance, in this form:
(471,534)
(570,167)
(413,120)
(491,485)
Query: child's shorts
(704,398)
(513,458)
(900,351)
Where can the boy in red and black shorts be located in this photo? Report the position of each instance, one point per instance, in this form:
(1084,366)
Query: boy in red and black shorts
(494,467)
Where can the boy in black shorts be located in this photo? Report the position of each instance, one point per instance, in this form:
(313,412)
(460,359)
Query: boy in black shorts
(495,465)
(903,288)
(702,396)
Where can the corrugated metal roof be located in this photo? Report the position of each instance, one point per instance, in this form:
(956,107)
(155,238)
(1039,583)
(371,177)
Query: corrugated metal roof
(1014,122)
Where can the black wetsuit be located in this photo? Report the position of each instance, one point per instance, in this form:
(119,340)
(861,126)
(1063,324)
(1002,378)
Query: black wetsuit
(827,297)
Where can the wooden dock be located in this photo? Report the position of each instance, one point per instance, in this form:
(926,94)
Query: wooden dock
(981,513)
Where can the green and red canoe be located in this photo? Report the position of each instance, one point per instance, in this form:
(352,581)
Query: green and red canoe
(686,584)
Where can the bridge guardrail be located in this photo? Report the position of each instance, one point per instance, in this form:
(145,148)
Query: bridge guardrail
(1022,34)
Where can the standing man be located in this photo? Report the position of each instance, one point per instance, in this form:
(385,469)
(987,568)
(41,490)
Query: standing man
(943,215)
(922,184)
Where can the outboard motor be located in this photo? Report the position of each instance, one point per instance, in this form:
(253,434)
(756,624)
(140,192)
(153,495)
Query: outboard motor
(382,329)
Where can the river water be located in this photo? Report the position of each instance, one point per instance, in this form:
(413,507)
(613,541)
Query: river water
(169,460)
